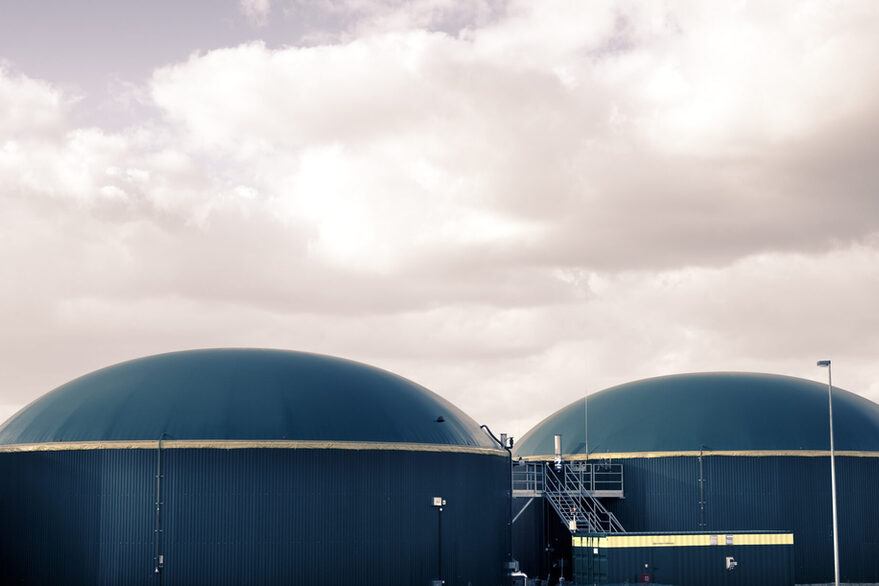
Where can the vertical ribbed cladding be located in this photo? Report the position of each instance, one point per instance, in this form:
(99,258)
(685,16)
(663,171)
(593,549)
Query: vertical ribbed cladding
(127,519)
(252,516)
(743,493)
(528,543)
(787,493)
(76,517)
(331,516)
(50,512)
(540,540)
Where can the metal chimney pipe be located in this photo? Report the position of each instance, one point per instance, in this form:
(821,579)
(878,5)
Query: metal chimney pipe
(558,451)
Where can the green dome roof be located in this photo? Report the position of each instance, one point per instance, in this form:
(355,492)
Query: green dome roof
(242,394)
(714,411)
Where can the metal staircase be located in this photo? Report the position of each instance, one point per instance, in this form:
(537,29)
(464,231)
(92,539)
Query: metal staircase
(572,489)
(568,495)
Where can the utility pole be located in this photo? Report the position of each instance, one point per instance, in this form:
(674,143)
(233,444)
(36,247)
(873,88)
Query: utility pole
(826,363)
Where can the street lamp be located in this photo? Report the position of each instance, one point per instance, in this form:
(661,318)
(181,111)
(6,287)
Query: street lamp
(832,471)
(438,503)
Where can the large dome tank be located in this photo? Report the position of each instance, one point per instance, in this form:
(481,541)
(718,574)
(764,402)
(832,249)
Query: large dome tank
(246,466)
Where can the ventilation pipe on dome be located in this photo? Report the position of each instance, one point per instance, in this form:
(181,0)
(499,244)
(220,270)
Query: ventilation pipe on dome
(558,452)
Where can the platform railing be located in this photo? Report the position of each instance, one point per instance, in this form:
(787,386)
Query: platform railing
(598,479)
(573,489)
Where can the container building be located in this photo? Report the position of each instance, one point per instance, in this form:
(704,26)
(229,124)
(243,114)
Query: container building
(731,559)
(243,466)
(715,454)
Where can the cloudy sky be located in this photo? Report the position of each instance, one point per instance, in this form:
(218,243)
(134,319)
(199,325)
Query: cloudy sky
(511,203)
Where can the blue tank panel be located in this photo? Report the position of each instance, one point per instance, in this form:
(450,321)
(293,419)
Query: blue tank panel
(252,517)
(782,493)
(739,494)
(242,394)
(714,411)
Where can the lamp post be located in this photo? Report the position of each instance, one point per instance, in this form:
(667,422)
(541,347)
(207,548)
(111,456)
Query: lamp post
(826,363)
(438,503)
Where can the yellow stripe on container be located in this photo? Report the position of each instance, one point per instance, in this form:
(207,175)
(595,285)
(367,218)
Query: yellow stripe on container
(684,540)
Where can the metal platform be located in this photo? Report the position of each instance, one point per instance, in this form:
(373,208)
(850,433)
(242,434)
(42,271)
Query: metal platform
(573,490)
(598,480)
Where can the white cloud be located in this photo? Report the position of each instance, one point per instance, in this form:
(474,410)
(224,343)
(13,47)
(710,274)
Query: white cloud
(511,205)
(30,107)
(578,121)
(256,11)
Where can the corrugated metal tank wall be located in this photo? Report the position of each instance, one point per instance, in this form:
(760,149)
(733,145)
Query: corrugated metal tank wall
(528,542)
(252,516)
(788,493)
(540,540)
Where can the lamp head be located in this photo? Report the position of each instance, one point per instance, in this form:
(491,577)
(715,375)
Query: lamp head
(823,363)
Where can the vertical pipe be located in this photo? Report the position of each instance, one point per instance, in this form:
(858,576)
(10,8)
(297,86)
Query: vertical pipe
(506,442)
(589,468)
(158,531)
(701,492)
(586,426)
(510,557)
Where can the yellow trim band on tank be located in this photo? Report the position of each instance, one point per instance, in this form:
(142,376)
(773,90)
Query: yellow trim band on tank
(684,540)
(697,453)
(248,444)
